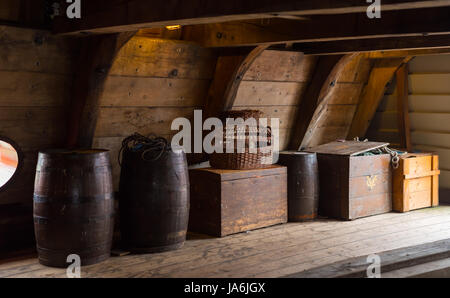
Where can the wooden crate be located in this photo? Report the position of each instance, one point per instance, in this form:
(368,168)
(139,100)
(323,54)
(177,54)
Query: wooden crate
(225,202)
(416,182)
(353,186)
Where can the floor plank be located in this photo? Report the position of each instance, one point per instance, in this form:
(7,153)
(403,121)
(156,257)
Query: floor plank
(271,252)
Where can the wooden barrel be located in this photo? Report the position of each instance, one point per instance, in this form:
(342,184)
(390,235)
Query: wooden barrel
(154,202)
(303,185)
(73,206)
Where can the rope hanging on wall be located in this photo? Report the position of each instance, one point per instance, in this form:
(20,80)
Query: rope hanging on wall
(152,147)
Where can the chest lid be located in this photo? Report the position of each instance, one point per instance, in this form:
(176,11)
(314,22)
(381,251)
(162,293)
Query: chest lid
(227,175)
(347,148)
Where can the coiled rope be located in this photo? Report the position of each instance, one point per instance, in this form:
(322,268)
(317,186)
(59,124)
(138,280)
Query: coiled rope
(152,147)
(395,154)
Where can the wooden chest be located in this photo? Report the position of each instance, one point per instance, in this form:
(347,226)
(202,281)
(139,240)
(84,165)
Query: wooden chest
(416,182)
(353,186)
(225,202)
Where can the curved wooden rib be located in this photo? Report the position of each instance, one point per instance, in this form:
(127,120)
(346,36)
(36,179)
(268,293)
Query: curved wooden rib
(313,106)
(96,58)
(382,73)
(230,71)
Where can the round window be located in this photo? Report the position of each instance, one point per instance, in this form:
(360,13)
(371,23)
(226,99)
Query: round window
(9,161)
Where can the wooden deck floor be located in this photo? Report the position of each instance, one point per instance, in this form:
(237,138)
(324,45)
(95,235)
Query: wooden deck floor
(271,252)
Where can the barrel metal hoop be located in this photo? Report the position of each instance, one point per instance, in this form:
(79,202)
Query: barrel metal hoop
(79,220)
(72,200)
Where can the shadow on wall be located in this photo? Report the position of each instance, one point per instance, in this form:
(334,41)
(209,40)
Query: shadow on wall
(444,196)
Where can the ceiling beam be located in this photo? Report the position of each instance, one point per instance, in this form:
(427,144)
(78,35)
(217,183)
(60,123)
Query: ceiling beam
(393,24)
(438,43)
(129,15)
(404,53)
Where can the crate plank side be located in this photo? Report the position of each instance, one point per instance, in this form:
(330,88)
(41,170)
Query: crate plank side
(370,205)
(435,182)
(369,165)
(416,182)
(254,204)
(370,185)
(367,185)
(354,186)
(225,202)
(228,175)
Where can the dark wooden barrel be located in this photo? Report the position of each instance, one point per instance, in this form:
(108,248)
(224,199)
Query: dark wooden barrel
(73,206)
(303,185)
(154,202)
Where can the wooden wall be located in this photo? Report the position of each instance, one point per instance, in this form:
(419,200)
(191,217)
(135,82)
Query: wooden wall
(429,82)
(35,82)
(23,12)
(152,82)
(275,85)
(343,101)
(429,106)
(384,125)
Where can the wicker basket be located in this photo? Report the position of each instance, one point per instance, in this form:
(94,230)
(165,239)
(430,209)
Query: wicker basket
(244,114)
(249,159)
(243,161)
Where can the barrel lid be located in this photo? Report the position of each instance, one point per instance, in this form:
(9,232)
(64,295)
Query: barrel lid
(73,152)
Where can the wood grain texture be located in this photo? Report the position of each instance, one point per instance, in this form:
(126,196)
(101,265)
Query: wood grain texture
(281,66)
(229,73)
(123,91)
(36,51)
(403,107)
(268,93)
(33,89)
(353,186)
(271,252)
(236,206)
(150,57)
(414,187)
(347,148)
(35,79)
(320,28)
(96,59)
(151,82)
(137,14)
(382,73)
(394,260)
(322,74)
(123,121)
(329,117)
(412,44)
(263,87)
(23,12)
